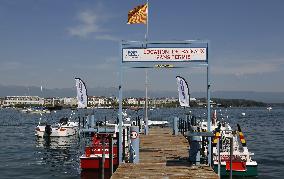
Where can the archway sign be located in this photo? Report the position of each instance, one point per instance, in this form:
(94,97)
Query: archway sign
(163,54)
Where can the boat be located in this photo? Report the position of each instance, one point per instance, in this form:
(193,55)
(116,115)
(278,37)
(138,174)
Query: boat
(269,108)
(36,110)
(62,129)
(242,162)
(158,123)
(93,155)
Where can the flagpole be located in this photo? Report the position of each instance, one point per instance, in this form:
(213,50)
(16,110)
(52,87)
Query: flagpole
(146,78)
(147,23)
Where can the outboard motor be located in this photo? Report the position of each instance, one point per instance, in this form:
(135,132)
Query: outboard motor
(63,120)
(48,130)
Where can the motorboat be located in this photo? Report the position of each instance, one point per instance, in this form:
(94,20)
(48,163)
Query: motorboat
(62,129)
(94,153)
(158,123)
(242,162)
(35,111)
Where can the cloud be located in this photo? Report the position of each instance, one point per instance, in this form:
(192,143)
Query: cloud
(107,37)
(89,24)
(248,67)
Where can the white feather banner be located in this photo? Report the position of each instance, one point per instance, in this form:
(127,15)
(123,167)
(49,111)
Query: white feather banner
(82,97)
(183,91)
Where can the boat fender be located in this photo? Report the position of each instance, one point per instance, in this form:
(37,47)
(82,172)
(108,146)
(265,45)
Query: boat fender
(242,138)
(217,134)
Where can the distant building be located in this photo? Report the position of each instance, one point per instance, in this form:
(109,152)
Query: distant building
(22,100)
(132,101)
(70,101)
(97,101)
(53,101)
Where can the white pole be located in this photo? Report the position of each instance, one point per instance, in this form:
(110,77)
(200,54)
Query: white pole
(146,103)
(146,78)
(219,158)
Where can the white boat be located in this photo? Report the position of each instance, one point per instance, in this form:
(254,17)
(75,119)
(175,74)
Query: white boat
(35,111)
(269,108)
(158,123)
(62,129)
(242,163)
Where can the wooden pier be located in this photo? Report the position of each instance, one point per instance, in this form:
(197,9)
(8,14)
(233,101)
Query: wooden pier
(163,155)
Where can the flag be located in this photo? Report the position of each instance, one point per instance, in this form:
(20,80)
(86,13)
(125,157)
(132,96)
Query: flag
(138,15)
(82,97)
(183,91)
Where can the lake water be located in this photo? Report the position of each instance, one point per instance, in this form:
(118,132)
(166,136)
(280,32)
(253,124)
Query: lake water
(22,155)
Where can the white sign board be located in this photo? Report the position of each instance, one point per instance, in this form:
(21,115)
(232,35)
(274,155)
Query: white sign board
(164,54)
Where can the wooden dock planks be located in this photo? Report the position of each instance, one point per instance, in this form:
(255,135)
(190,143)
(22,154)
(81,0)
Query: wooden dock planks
(163,155)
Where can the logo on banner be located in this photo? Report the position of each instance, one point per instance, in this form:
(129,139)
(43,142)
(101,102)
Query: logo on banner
(182,89)
(133,53)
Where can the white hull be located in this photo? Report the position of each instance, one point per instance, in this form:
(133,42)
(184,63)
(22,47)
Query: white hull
(61,131)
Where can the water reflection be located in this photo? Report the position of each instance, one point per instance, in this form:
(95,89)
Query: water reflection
(55,142)
(59,154)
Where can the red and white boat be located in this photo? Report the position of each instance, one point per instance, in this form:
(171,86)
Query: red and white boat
(92,158)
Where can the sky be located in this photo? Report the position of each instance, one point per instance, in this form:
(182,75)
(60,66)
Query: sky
(49,42)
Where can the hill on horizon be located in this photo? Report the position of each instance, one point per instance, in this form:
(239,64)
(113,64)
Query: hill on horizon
(267,97)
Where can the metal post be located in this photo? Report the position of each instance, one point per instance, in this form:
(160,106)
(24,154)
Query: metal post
(92,121)
(219,157)
(117,143)
(123,144)
(120,118)
(83,120)
(146,100)
(208,115)
(188,122)
(110,154)
(105,123)
(134,147)
(175,126)
(231,157)
(183,129)
(139,124)
(179,125)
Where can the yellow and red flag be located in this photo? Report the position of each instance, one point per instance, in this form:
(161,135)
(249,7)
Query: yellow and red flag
(138,15)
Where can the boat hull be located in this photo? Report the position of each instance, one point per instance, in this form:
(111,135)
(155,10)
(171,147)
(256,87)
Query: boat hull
(251,170)
(56,132)
(88,163)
